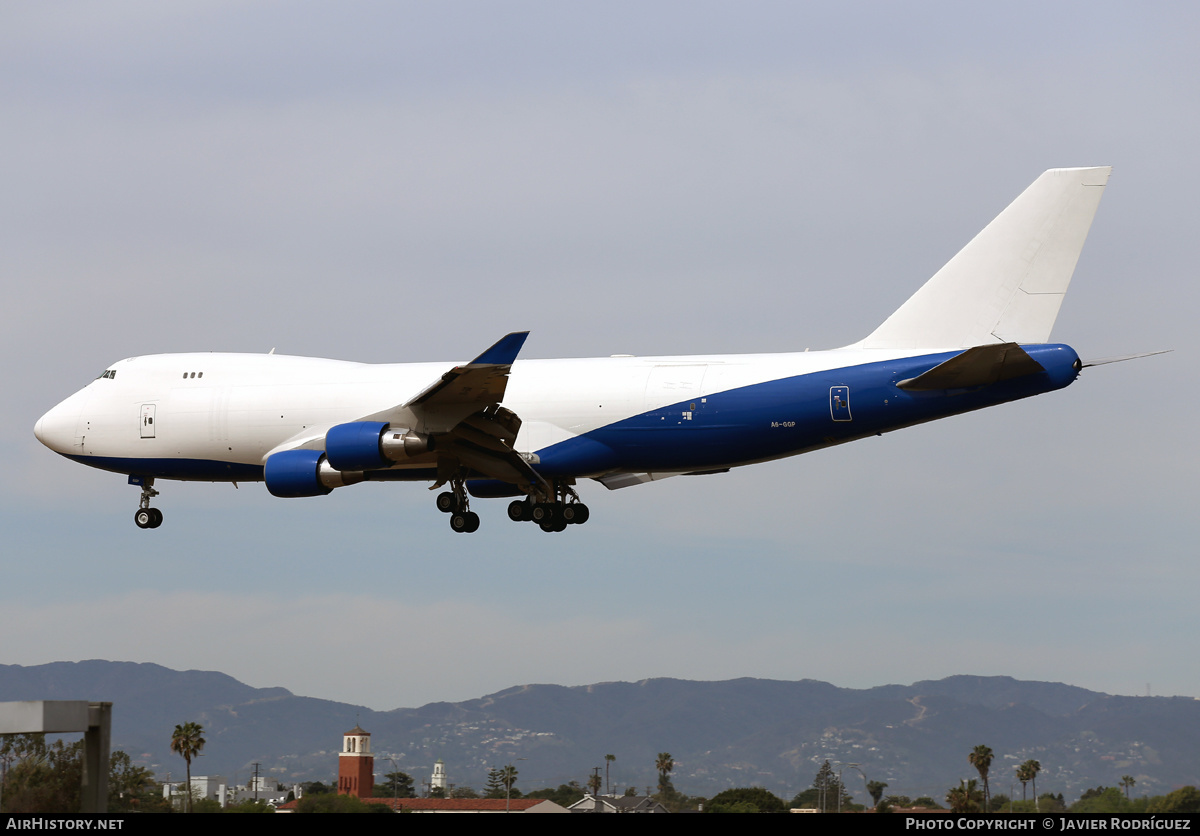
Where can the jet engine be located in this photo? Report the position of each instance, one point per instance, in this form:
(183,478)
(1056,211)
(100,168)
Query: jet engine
(371,445)
(292,473)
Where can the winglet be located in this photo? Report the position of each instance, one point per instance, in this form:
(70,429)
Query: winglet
(504,352)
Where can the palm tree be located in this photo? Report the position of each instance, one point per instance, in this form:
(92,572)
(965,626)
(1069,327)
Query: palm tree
(664,765)
(608,759)
(1032,768)
(981,758)
(1024,775)
(964,798)
(1127,781)
(188,740)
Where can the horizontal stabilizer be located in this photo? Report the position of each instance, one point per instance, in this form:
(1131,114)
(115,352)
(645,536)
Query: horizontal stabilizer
(979,366)
(1007,284)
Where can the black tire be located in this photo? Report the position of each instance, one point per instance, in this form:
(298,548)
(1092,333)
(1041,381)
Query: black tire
(458,522)
(582,514)
(142,518)
(543,512)
(472,522)
(519,510)
(548,525)
(158,518)
(447,503)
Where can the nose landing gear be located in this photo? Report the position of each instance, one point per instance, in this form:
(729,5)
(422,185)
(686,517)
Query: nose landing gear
(145,516)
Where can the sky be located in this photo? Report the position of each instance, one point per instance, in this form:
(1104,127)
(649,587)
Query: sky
(394,182)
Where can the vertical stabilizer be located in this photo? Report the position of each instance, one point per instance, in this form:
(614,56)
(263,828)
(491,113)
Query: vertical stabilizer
(1008,283)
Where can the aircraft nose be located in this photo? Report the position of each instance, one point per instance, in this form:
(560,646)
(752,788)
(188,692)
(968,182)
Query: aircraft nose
(56,429)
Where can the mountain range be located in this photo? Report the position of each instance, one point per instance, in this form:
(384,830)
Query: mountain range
(741,732)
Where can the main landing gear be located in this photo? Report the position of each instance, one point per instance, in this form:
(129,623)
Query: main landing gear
(145,516)
(566,509)
(455,503)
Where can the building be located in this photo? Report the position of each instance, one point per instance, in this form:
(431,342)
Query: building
(356,764)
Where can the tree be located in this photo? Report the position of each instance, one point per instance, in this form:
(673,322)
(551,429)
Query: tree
(494,788)
(1024,775)
(395,785)
(508,777)
(126,782)
(965,798)
(1032,768)
(608,759)
(564,796)
(826,793)
(1127,781)
(187,740)
(1183,800)
(876,788)
(337,803)
(593,782)
(981,758)
(745,800)
(665,764)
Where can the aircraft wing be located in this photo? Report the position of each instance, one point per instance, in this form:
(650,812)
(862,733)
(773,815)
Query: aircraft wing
(462,414)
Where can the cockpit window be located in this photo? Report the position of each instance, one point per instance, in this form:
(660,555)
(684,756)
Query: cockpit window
(108,373)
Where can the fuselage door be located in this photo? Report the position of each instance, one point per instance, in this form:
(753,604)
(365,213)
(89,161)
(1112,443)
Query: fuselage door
(839,403)
(147,427)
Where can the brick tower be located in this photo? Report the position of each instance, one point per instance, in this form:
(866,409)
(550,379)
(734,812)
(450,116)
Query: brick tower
(356,764)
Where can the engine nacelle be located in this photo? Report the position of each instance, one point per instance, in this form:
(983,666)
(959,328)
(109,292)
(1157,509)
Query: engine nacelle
(292,473)
(372,445)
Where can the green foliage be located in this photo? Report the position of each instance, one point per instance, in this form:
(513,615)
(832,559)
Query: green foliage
(500,783)
(1183,800)
(745,800)
(187,741)
(875,790)
(1101,800)
(395,785)
(965,798)
(44,778)
(335,803)
(206,805)
(824,793)
(665,764)
(437,792)
(565,795)
(48,778)
(926,801)
(981,758)
(250,806)
(463,792)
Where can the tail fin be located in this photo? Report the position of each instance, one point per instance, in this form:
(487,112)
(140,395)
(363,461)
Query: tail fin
(1008,283)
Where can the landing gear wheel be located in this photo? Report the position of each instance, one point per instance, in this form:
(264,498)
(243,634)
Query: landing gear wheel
(158,517)
(575,513)
(555,525)
(447,502)
(464,522)
(520,510)
(542,512)
(143,518)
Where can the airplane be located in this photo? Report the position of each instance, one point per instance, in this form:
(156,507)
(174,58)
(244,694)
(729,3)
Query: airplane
(974,335)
